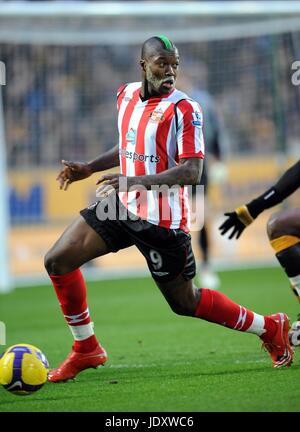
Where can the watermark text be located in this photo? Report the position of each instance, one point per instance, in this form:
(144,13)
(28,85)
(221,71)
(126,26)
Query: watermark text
(296,74)
(2,73)
(160,203)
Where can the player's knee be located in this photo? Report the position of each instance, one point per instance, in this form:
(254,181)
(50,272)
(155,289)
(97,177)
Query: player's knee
(177,309)
(55,263)
(182,308)
(276,225)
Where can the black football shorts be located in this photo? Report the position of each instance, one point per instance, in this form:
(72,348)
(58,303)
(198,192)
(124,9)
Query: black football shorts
(168,252)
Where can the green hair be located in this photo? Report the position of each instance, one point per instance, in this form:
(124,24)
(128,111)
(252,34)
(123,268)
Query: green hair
(166,41)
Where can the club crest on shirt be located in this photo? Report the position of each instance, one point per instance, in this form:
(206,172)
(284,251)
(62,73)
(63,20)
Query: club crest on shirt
(197,119)
(156,116)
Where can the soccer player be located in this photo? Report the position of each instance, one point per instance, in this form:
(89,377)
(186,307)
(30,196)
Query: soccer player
(160,143)
(283,229)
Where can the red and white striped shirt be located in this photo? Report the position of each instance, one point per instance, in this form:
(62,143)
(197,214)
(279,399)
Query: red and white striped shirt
(153,136)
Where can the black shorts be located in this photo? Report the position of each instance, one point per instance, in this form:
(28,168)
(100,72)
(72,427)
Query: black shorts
(168,252)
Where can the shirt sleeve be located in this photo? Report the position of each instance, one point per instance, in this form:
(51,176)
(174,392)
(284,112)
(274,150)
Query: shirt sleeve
(190,139)
(121,89)
(120,92)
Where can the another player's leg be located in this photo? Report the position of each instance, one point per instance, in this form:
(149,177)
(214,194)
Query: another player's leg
(284,233)
(77,245)
(213,306)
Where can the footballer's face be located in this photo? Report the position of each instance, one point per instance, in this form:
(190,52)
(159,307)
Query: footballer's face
(160,70)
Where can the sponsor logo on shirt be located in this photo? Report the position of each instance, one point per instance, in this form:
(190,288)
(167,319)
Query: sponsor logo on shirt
(139,157)
(197,119)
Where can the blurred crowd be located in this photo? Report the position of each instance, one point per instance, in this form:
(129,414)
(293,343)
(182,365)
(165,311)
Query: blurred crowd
(59,102)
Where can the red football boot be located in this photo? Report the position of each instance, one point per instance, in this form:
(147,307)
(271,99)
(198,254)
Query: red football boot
(77,362)
(279,346)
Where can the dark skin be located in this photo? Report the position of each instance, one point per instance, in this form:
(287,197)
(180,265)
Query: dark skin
(80,243)
(284,222)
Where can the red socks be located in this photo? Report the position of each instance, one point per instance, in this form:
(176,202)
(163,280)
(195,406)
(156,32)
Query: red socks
(71,292)
(213,306)
(218,308)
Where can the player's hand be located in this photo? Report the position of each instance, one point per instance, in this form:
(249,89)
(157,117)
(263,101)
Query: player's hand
(72,171)
(110,183)
(234,222)
(115,182)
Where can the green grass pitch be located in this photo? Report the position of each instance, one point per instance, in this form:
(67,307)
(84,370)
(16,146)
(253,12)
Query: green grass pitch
(157,361)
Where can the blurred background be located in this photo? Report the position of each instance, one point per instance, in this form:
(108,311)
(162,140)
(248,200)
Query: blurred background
(65,61)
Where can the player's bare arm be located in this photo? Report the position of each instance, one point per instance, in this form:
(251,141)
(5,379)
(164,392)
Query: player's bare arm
(243,216)
(187,172)
(107,160)
(74,171)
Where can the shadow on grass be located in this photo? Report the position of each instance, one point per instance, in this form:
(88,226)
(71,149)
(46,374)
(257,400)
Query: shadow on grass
(164,373)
